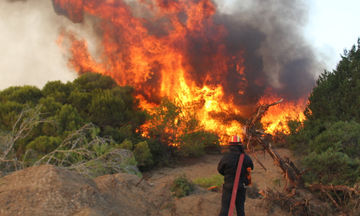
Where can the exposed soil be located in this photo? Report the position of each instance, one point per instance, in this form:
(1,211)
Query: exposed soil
(208,203)
(49,190)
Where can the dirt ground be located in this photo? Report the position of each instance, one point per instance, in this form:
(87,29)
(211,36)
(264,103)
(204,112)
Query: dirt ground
(49,190)
(207,167)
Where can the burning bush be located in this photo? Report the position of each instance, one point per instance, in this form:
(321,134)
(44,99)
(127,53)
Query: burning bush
(178,131)
(169,131)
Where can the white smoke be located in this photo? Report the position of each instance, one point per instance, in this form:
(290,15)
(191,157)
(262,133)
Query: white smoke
(29,52)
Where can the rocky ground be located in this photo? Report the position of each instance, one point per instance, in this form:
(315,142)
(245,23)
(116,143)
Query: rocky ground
(49,190)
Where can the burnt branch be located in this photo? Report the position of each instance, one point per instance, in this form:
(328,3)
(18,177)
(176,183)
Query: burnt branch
(340,195)
(297,202)
(255,136)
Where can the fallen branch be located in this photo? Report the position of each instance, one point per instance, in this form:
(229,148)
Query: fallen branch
(342,188)
(259,162)
(347,192)
(254,137)
(290,202)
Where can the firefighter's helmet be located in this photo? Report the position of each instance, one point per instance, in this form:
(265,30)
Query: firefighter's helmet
(235,140)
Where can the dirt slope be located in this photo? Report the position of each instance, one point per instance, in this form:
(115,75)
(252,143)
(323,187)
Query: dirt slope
(49,190)
(208,203)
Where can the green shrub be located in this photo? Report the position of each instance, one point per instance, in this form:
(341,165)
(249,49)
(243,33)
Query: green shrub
(331,151)
(58,90)
(108,161)
(44,144)
(68,119)
(331,167)
(341,136)
(143,155)
(302,134)
(101,148)
(91,81)
(181,187)
(49,106)
(9,112)
(206,182)
(23,95)
(124,132)
(160,151)
(195,144)
(92,99)
(127,144)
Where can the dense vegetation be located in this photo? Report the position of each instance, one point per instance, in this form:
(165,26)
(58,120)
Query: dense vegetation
(114,114)
(329,139)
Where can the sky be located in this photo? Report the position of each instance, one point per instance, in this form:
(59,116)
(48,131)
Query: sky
(332,26)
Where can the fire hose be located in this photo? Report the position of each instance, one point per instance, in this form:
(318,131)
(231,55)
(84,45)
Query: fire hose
(236,185)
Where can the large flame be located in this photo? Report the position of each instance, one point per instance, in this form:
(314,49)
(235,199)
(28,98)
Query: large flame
(277,116)
(159,50)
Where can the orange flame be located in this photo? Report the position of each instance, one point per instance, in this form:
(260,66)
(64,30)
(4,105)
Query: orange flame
(159,64)
(276,117)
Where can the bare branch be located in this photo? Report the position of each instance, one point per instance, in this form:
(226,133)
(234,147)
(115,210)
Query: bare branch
(26,121)
(77,153)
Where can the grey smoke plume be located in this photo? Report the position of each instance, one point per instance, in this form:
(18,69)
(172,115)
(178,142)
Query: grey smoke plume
(277,55)
(29,53)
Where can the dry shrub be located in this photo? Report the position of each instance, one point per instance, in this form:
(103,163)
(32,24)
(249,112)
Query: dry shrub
(299,202)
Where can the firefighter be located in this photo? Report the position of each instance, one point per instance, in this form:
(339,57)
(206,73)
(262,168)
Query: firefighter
(227,167)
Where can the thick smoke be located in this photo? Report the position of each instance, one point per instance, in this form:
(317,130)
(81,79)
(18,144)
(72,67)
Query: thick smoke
(277,58)
(29,52)
(269,33)
(276,54)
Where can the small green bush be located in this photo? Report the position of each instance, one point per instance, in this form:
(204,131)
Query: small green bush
(331,167)
(182,187)
(342,136)
(206,182)
(127,144)
(160,151)
(330,149)
(68,119)
(143,155)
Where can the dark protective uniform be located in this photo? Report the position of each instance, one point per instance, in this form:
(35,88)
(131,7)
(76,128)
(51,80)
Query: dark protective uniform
(227,167)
